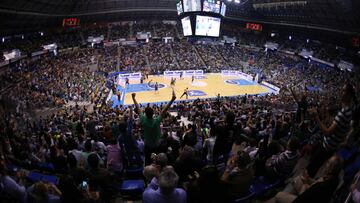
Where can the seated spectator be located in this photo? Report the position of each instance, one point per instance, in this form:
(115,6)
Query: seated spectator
(282,165)
(77,173)
(307,189)
(9,186)
(159,164)
(187,163)
(206,187)
(43,192)
(149,173)
(238,175)
(355,189)
(167,191)
(100,179)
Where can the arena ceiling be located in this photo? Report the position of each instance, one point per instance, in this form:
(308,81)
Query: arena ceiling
(34,14)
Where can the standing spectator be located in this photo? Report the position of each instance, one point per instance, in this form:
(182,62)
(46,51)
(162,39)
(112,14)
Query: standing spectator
(151,127)
(336,133)
(225,136)
(209,147)
(114,157)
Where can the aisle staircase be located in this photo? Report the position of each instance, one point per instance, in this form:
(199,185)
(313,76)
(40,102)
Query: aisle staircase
(222,56)
(131,31)
(83,40)
(177,32)
(199,55)
(109,33)
(172,53)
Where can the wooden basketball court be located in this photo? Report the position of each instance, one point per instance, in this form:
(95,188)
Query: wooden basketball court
(207,87)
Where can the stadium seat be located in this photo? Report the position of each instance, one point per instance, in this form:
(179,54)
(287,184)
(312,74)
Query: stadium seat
(36,177)
(247,198)
(45,166)
(132,188)
(261,185)
(346,153)
(134,171)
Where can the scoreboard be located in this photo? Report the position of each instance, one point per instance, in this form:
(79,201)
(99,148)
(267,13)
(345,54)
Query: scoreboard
(71,22)
(254,26)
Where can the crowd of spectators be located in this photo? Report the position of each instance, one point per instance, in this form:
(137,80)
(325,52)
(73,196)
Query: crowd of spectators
(226,144)
(186,56)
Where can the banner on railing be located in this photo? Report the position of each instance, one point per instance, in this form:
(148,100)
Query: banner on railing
(271,86)
(130,75)
(238,74)
(184,72)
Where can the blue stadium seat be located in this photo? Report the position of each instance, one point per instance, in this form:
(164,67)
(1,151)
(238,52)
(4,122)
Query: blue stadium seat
(247,198)
(132,187)
(46,166)
(36,177)
(346,153)
(134,171)
(261,185)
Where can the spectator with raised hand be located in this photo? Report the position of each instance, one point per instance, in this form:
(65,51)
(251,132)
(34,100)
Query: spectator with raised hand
(336,133)
(151,126)
(238,175)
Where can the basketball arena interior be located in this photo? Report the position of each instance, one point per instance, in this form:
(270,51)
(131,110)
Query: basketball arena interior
(175,101)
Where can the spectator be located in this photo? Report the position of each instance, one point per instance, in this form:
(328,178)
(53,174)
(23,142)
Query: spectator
(42,192)
(282,165)
(114,157)
(238,175)
(100,179)
(9,186)
(307,189)
(225,136)
(151,127)
(167,191)
(206,187)
(336,133)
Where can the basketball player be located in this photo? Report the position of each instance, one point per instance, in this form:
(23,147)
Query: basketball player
(185,93)
(172,83)
(142,79)
(127,81)
(156,88)
(192,78)
(119,95)
(181,75)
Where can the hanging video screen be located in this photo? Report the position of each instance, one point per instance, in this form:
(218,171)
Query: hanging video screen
(207,26)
